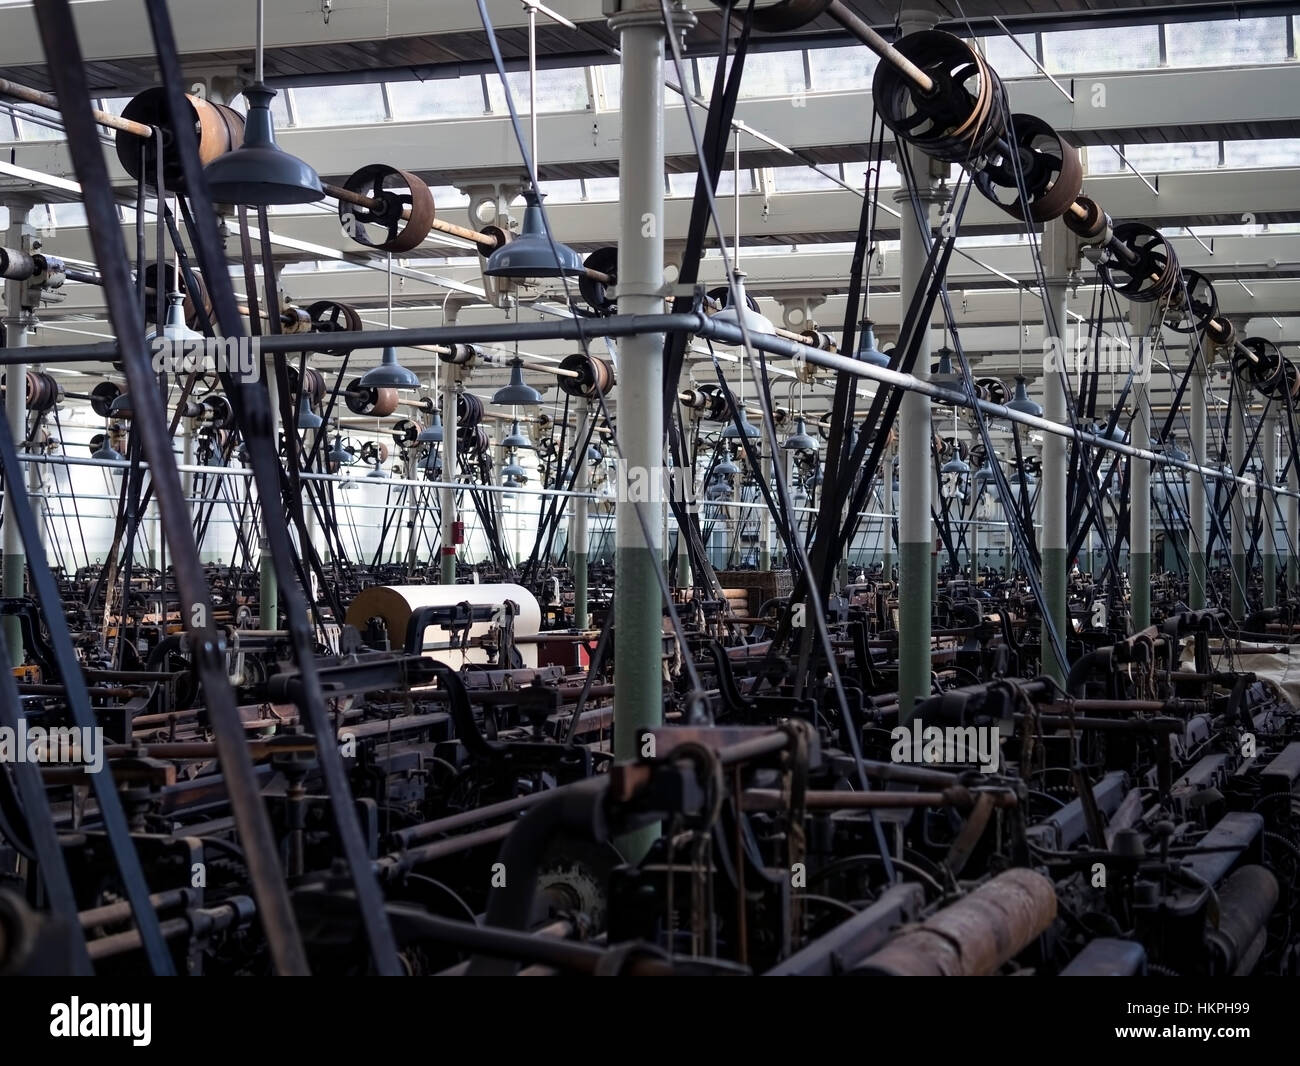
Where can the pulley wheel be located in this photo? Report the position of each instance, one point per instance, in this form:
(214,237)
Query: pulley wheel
(1192,304)
(961,118)
(370,401)
(1153,272)
(392,190)
(102,397)
(1051,170)
(329,316)
(192,318)
(219,129)
(469,410)
(596,376)
(599,294)
(1266,372)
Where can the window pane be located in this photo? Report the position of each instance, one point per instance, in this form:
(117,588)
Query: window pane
(1223,42)
(69,214)
(557,90)
(841,69)
(1274,152)
(800,179)
(336,105)
(855,174)
(564,191)
(611,78)
(773,74)
(1159,158)
(34,130)
(1008,60)
(436,98)
(603,189)
(1075,51)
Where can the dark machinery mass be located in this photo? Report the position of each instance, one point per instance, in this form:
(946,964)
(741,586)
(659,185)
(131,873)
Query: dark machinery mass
(386,595)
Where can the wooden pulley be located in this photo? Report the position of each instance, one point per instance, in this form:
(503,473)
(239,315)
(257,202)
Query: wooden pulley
(543,422)
(600,294)
(192,318)
(406,431)
(219,129)
(41,390)
(961,117)
(595,376)
(102,397)
(1050,167)
(784,15)
(375,452)
(469,410)
(376,402)
(393,190)
(330,316)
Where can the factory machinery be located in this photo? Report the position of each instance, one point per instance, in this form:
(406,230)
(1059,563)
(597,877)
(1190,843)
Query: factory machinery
(656,761)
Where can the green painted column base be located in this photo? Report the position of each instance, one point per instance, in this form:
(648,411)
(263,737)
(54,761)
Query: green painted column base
(1196,582)
(268,616)
(1054,582)
(447,571)
(1139,575)
(1239,587)
(914,605)
(887,567)
(14,588)
(580,613)
(638,678)
(1270,580)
